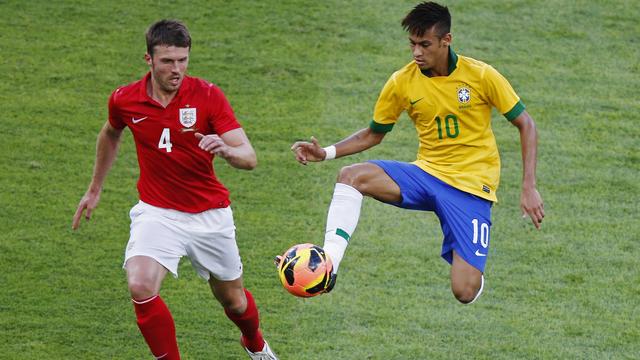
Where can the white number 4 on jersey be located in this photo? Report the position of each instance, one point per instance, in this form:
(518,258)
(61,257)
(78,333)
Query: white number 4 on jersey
(165,140)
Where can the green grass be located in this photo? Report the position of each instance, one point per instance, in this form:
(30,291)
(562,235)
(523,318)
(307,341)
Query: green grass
(291,70)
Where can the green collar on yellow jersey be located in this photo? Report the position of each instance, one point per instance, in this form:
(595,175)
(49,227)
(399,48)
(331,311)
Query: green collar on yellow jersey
(453,63)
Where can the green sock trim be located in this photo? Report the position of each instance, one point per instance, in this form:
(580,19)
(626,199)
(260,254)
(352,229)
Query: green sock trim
(343,234)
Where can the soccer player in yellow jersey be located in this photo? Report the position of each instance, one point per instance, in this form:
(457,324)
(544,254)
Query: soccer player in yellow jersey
(449,98)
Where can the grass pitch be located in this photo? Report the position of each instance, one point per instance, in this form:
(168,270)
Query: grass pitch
(294,69)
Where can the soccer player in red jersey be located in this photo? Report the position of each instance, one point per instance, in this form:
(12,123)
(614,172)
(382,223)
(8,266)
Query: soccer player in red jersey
(179,123)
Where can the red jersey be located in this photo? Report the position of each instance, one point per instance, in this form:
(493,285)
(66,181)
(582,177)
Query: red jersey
(174,172)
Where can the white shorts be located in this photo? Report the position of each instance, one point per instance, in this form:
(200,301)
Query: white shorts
(207,238)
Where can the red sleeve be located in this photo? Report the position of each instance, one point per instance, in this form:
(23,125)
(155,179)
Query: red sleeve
(222,118)
(114,115)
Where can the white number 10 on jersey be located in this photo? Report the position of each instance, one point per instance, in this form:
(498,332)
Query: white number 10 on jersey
(165,140)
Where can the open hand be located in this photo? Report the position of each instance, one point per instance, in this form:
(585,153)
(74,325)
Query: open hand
(308,151)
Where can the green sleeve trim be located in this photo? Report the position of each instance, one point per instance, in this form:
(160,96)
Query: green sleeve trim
(517,109)
(380,128)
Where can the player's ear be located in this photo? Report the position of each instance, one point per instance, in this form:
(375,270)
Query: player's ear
(446,39)
(147,58)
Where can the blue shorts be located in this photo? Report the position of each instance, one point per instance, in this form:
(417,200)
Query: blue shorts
(465,218)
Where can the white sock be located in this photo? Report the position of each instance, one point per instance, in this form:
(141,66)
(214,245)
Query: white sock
(342,220)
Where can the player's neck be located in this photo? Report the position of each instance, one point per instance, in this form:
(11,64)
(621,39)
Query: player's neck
(158,94)
(441,68)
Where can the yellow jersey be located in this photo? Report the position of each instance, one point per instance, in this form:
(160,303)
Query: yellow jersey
(452,115)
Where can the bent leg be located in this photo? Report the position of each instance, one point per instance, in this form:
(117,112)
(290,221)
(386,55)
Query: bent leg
(354,182)
(370,180)
(466,281)
(240,307)
(230,294)
(144,276)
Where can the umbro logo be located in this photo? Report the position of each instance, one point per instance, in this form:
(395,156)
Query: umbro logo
(135,121)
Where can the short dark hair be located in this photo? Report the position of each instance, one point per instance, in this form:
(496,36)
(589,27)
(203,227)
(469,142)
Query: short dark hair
(169,33)
(425,16)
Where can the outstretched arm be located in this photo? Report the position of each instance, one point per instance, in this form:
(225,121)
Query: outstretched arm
(530,199)
(106,151)
(233,146)
(359,141)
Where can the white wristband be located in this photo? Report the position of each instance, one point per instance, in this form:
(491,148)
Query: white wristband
(331,152)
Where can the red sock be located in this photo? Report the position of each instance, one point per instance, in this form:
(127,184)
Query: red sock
(249,324)
(157,327)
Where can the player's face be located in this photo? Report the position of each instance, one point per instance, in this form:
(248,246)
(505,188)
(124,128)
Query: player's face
(429,50)
(168,66)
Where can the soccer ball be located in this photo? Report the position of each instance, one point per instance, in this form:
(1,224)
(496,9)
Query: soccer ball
(305,270)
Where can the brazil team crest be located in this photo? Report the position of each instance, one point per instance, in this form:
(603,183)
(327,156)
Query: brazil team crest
(188,117)
(464,95)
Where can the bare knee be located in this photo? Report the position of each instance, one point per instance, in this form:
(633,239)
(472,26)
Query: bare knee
(465,294)
(468,291)
(466,281)
(355,176)
(230,294)
(141,288)
(144,277)
(234,303)
(348,175)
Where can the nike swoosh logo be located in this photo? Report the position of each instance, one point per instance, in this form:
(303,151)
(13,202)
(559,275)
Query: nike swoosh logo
(135,121)
(478,253)
(414,102)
